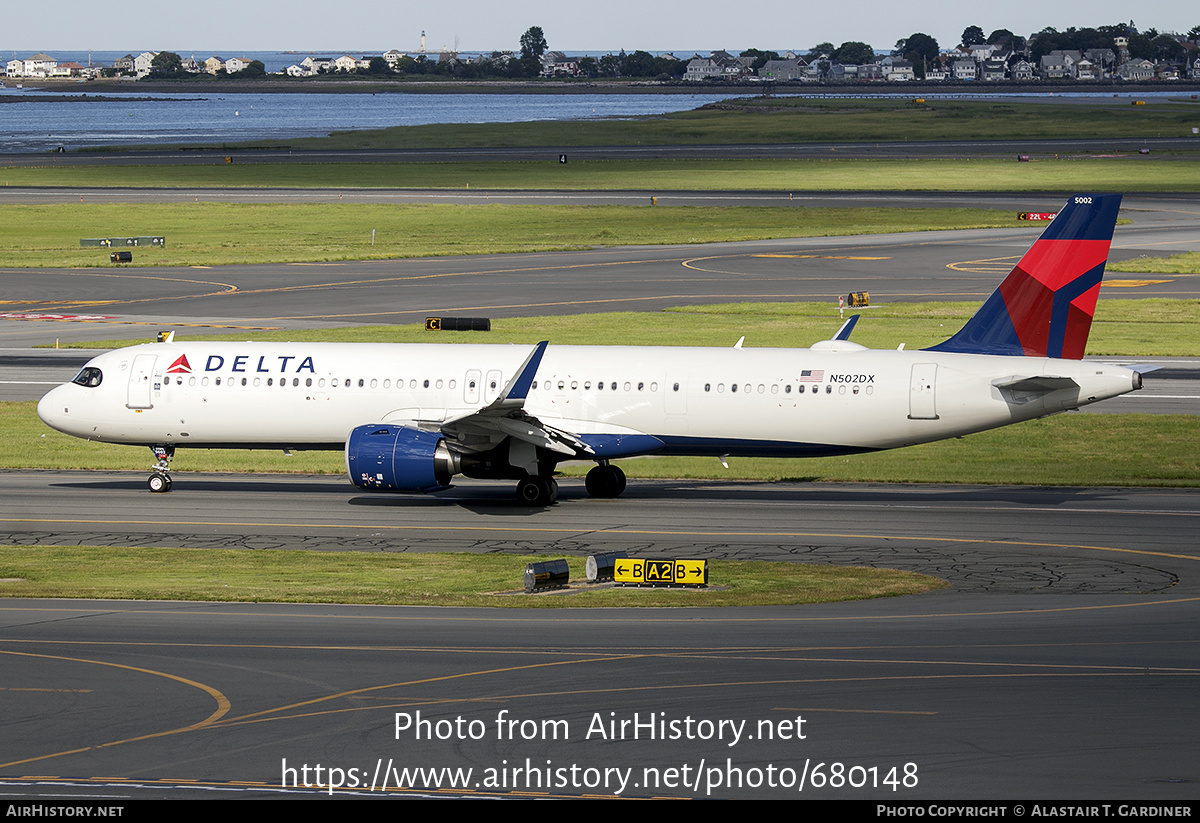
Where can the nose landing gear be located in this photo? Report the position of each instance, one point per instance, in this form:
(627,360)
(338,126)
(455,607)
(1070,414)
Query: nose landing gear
(160,480)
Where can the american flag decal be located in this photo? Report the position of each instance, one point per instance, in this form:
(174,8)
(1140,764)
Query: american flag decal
(812,375)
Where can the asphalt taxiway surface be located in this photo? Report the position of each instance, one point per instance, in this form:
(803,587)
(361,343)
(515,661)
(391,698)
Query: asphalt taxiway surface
(1061,664)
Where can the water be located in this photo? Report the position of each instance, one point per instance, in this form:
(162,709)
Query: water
(82,116)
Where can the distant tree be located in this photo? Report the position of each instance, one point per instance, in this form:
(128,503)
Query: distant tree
(533,43)
(973,36)
(254,69)
(760,57)
(588,67)
(166,64)
(1194,33)
(638,64)
(378,66)
(920,49)
(610,66)
(854,53)
(1000,37)
(821,49)
(1167,47)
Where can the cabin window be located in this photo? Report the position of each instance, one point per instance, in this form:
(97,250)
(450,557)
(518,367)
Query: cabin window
(453,383)
(708,386)
(640,385)
(243,381)
(320,383)
(626,386)
(675,387)
(587,385)
(761,388)
(774,388)
(257,381)
(295,381)
(787,389)
(574,385)
(308,382)
(829,389)
(361,382)
(347,383)
(733,387)
(374,383)
(600,386)
(217,381)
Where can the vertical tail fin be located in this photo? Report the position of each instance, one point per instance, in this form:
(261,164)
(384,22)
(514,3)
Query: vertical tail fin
(1044,307)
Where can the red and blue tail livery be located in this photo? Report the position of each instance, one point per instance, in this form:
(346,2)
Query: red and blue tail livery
(1044,307)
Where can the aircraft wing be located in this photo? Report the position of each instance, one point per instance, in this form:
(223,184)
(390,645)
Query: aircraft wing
(506,417)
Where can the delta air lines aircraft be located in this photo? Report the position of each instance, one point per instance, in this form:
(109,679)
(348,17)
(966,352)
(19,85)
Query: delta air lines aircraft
(410,417)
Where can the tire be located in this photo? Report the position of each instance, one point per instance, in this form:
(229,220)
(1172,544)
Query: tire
(605,481)
(159,483)
(535,491)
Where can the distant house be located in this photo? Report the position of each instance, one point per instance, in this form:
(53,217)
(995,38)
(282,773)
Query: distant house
(67,70)
(966,69)
(142,63)
(15,68)
(214,64)
(346,63)
(782,70)
(123,65)
(39,65)
(1135,70)
(557,64)
(900,71)
(993,71)
(1023,71)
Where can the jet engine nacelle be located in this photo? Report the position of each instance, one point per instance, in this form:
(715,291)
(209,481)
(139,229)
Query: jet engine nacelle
(386,457)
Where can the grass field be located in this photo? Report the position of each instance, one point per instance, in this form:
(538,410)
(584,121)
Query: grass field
(1075,173)
(388,578)
(224,233)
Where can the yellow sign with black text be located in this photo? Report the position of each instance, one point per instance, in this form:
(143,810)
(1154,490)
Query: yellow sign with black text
(661,572)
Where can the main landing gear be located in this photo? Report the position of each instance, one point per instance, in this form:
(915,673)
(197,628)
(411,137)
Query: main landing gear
(160,481)
(537,491)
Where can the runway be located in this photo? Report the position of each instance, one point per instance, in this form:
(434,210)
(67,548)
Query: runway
(1059,666)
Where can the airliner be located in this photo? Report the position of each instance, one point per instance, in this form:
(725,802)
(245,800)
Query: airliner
(411,416)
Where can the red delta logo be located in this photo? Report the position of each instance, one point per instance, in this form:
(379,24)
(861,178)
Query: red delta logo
(180,366)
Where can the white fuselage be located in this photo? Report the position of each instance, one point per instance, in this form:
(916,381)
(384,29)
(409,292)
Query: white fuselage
(834,398)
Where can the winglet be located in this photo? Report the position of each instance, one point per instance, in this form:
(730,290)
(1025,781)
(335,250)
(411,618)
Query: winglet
(517,390)
(844,332)
(1044,307)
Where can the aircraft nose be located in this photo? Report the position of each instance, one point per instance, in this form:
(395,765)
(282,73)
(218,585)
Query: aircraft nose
(54,407)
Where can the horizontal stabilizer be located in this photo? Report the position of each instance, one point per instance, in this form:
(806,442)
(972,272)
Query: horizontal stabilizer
(1041,385)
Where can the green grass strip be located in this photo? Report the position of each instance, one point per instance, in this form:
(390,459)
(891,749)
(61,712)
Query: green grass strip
(387,578)
(1186,263)
(222,233)
(1065,174)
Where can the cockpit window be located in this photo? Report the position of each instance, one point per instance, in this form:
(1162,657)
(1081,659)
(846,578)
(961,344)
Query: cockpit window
(89,376)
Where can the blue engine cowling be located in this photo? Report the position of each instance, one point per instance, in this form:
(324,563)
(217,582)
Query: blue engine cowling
(386,457)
